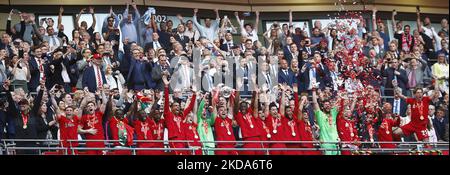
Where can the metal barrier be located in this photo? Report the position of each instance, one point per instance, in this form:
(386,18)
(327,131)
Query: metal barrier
(402,147)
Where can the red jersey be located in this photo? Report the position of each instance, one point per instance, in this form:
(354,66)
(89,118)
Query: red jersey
(120,130)
(68,129)
(247,123)
(305,133)
(190,133)
(385,132)
(94,121)
(224,131)
(347,130)
(419,111)
(264,130)
(143,132)
(278,129)
(172,121)
(292,129)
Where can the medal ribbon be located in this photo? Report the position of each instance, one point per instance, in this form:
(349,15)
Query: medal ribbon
(25,119)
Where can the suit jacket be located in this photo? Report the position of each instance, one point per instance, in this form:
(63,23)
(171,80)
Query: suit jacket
(263,78)
(322,76)
(403,106)
(288,79)
(146,74)
(35,74)
(150,46)
(183,40)
(224,47)
(439,127)
(402,80)
(7,47)
(313,49)
(157,77)
(89,79)
(47,38)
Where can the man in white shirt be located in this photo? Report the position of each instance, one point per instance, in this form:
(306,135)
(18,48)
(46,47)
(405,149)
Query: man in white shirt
(210,29)
(53,41)
(398,105)
(247,30)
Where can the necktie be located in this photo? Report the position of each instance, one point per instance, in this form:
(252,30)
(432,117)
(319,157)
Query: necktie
(396,107)
(309,50)
(268,79)
(229,46)
(53,40)
(99,77)
(285,72)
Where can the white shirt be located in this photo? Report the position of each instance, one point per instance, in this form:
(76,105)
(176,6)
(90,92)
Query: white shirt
(211,32)
(432,133)
(156,45)
(427,31)
(396,106)
(252,35)
(312,77)
(41,73)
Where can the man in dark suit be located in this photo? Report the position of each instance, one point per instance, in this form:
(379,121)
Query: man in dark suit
(308,48)
(265,77)
(439,123)
(291,53)
(399,105)
(394,72)
(228,44)
(139,76)
(158,71)
(180,37)
(94,71)
(315,72)
(4,44)
(285,75)
(156,44)
(244,74)
(38,69)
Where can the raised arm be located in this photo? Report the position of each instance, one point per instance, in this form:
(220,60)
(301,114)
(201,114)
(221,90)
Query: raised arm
(394,23)
(137,15)
(374,19)
(191,103)
(291,24)
(419,26)
(217,16)
(301,106)
(94,21)
(83,103)
(104,97)
(200,109)
(314,100)
(166,94)
(296,100)
(256,22)
(77,19)
(153,23)
(198,25)
(283,96)
(61,11)
(237,98)
(241,23)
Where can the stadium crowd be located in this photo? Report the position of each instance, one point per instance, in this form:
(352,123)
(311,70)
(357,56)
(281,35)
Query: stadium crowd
(137,80)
